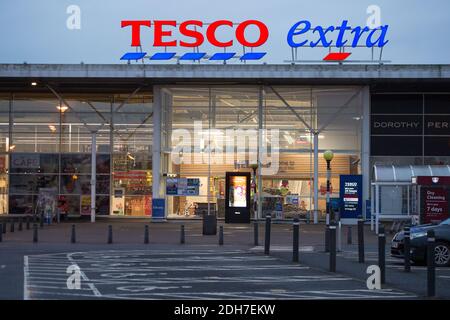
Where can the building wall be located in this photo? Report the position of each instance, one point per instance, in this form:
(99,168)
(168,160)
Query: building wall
(46,144)
(410,128)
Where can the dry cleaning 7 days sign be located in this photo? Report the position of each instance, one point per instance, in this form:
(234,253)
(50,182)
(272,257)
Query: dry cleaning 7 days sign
(435,205)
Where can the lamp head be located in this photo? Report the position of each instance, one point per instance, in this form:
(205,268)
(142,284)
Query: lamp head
(328,155)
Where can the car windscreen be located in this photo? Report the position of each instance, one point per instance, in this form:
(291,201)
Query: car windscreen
(446,222)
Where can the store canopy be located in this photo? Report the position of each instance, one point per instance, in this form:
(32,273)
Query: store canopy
(405,173)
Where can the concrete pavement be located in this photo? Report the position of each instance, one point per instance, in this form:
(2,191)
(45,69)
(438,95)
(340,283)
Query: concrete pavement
(128,268)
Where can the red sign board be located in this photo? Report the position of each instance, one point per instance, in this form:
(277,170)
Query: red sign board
(430,180)
(435,204)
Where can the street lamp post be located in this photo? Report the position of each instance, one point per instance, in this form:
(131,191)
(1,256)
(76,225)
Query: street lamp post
(255,206)
(328,156)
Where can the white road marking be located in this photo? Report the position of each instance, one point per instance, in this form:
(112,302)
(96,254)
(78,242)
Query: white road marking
(111,270)
(83,275)
(283,248)
(25,278)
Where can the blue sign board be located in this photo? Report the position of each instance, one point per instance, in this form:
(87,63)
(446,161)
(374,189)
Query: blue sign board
(335,204)
(158,206)
(350,192)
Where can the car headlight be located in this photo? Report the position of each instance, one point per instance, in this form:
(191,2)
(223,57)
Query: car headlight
(418,234)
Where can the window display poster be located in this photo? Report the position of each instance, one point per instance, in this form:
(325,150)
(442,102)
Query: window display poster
(47,202)
(238,191)
(192,187)
(2,164)
(292,199)
(351,196)
(435,202)
(182,186)
(171,186)
(85,205)
(148,205)
(118,202)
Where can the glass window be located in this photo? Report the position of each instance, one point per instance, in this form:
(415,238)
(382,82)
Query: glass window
(34,163)
(393,199)
(75,163)
(30,184)
(51,148)
(139,103)
(22,204)
(4,102)
(81,184)
(292,111)
(29,102)
(71,204)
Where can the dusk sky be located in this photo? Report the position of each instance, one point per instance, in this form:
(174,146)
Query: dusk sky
(36,32)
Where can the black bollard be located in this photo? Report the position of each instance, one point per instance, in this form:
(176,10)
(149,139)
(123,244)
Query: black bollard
(332,233)
(28,223)
(73,237)
(255,233)
(431,268)
(182,236)
(35,233)
(349,235)
(360,240)
(20,224)
(407,249)
(267,234)
(1,233)
(382,253)
(4,227)
(295,240)
(12,226)
(110,234)
(221,235)
(146,235)
(41,221)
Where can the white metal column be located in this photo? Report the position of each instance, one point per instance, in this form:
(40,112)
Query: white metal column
(316,177)
(377,206)
(156,146)
(365,147)
(93,173)
(260,141)
(372,206)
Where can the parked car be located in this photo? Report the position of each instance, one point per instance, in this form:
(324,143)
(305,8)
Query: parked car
(419,243)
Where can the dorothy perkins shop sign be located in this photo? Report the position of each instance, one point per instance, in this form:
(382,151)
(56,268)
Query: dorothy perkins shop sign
(183,40)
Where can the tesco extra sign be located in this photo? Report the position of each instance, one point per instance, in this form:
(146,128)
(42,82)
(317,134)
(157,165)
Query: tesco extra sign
(194,33)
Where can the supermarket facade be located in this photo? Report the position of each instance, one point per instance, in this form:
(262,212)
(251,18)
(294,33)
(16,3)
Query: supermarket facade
(156,127)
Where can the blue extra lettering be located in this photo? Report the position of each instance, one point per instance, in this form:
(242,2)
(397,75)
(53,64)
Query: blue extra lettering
(322,36)
(381,41)
(299,28)
(342,28)
(358,32)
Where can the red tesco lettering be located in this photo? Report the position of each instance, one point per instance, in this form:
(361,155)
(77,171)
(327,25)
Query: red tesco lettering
(163,29)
